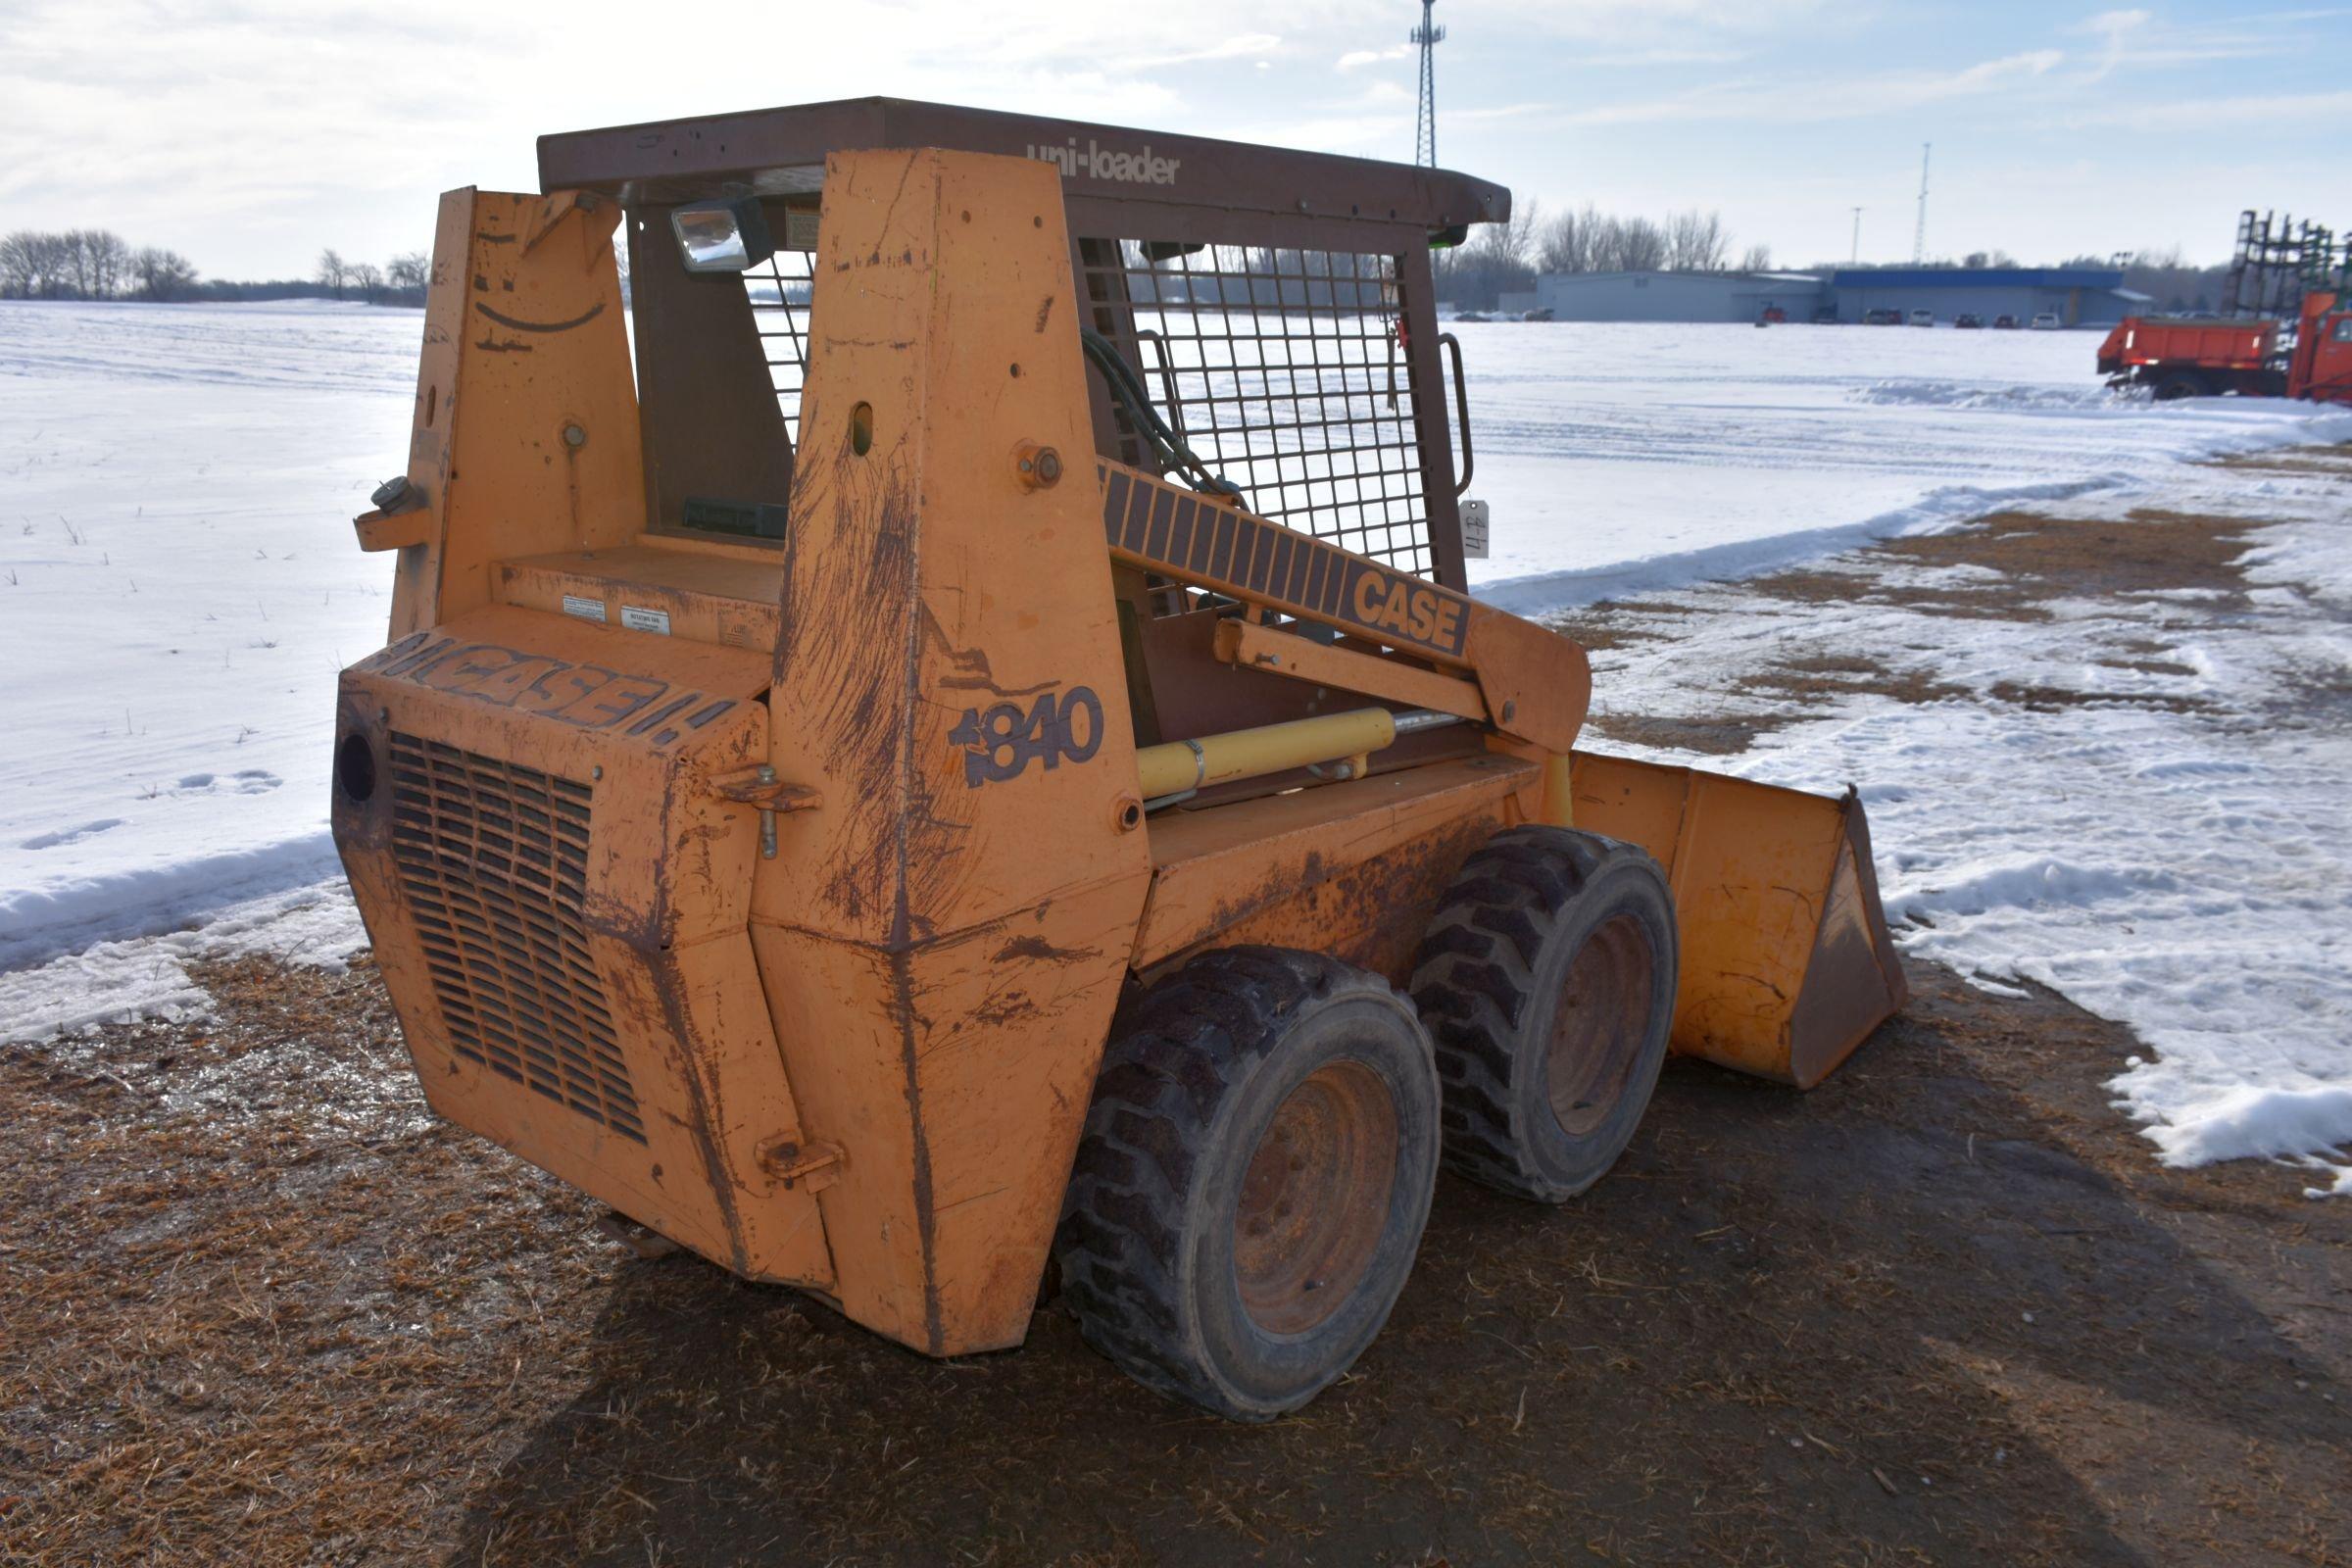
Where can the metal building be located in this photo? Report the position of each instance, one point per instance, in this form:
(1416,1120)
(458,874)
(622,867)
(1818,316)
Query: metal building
(1669,296)
(2077,295)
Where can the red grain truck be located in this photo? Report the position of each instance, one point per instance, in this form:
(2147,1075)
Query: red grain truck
(2197,357)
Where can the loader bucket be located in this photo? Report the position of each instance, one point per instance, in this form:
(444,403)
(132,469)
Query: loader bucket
(1786,965)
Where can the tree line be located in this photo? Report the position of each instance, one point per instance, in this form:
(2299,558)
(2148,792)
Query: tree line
(400,281)
(97,263)
(1508,257)
(90,263)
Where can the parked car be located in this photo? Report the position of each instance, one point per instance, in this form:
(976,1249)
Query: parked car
(1969,319)
(1541,312)
(1882,318)
(2047,321)
(1923,318)
(2006,322)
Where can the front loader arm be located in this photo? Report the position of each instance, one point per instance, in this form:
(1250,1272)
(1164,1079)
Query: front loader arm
(1491,667)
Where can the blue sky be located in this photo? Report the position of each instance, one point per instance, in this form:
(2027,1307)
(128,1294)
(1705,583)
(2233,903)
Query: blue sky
(248,134)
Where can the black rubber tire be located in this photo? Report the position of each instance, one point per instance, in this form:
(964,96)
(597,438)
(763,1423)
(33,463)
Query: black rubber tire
(1195,1073)
(2176,384)
(1492,983)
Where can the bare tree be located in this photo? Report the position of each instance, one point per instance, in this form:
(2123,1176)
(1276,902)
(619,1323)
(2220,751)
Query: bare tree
(1695,242)
(1511,242)
(108,261)
(1566,243)
(24,265)
(408,271)
(1638,246)
(1756,259)
(333,271)
(369,279)
(73,258)
(163,275)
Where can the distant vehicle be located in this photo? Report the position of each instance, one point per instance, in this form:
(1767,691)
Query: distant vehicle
(1774,315)
(2047,321)
(1541,312)
(1969,319)
(2298,347)
(1474,316)
(2006,322)
(1923,318)
(2254,358)
(1883,317)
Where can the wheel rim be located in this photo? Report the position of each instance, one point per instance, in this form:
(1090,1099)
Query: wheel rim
(1316,1199)
(1603,1019)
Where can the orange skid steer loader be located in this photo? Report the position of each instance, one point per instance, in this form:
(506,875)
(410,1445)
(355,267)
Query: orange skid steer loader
(962,740)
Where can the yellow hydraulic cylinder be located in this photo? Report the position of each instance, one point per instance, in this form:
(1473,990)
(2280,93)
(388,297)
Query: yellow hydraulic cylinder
(1179,767)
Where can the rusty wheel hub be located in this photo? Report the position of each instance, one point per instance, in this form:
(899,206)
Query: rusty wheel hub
(1603,1016)
(1316,1199)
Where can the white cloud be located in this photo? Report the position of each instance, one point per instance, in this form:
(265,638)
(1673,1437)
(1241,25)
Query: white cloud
(1859,97)
(1354,59)
(1240,46)
(2199,115)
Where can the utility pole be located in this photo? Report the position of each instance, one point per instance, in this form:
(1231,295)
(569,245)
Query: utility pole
(1919,235)
(1427,36)
(1855,260)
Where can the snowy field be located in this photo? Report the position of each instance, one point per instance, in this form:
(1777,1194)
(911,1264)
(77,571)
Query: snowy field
(178,587)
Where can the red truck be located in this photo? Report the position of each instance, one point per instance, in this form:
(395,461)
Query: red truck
(2197,357)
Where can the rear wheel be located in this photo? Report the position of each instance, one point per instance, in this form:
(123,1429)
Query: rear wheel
(1548,984)
(2177,385)
(1254,1178)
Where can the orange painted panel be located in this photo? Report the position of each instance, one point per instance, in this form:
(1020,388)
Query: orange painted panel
(942,939)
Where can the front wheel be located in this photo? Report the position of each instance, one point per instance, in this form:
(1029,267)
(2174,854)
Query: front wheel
(1256,1173)
(1548,984)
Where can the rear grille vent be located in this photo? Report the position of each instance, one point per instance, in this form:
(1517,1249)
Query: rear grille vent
(494,859)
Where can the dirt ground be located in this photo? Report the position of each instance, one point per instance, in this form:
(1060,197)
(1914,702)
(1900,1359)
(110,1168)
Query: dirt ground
(258,1307)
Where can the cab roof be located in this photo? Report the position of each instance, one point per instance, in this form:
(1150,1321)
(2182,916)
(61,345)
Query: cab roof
(781,152)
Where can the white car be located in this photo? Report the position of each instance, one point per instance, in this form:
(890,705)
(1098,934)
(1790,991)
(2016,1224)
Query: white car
(1923,318)
(2047,321)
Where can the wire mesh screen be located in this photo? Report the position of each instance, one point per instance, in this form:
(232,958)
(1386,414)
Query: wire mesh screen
(778,289)
(1282,369)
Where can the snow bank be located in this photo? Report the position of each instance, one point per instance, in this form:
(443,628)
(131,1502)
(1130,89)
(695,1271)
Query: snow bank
(2167,850)
(178,587)
(114,982)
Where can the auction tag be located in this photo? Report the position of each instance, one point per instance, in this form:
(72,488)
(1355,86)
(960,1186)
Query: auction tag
(1474,532)
(638,619)
(585,609)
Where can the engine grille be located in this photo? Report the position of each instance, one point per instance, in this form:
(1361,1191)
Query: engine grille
(494,859)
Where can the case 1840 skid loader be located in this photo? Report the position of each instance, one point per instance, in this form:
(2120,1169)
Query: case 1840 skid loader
(965,742)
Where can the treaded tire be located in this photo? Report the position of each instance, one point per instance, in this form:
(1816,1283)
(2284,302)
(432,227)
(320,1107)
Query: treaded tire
(1547,983)
(2177,385)
(1206,1072)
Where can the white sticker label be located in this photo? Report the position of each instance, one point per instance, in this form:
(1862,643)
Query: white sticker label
(585,609)
(637,618)
(1474,531)
(799,228)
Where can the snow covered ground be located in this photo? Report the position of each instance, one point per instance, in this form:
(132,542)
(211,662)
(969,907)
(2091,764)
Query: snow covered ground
(1620,458)
(178,586)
